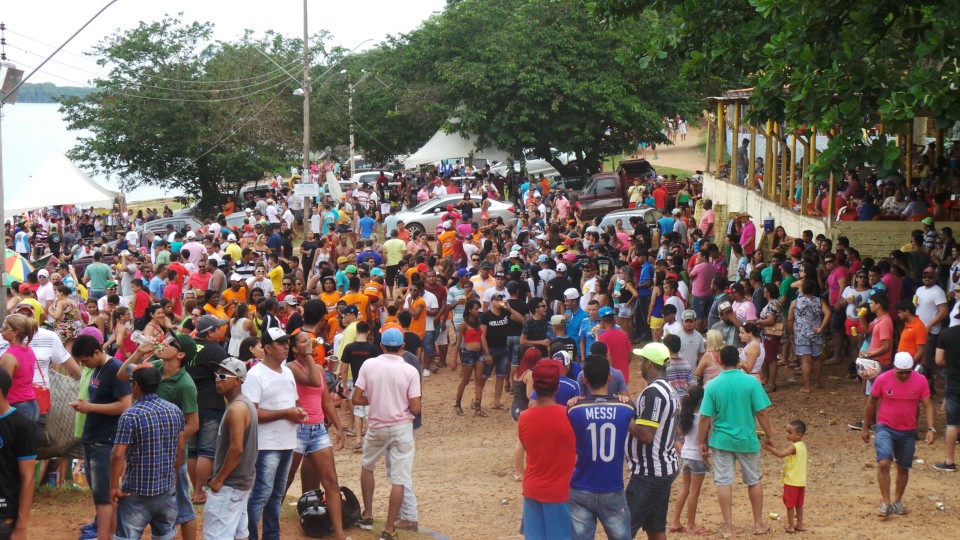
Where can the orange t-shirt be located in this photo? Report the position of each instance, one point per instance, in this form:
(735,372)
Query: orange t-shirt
(446,243)
(229,297)
(418,325)
(319,353)
(913,338)
(404,235)
(361,301)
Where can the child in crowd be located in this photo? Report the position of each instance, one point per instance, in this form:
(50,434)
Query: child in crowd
(794,473)
(694,466)
(679,372)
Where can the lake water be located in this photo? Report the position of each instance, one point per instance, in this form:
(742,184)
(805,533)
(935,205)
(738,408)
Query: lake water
(30,131)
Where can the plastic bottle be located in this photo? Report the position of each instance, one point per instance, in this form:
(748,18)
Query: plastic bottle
(140,339)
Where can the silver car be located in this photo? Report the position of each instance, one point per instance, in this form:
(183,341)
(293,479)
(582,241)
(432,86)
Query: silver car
(650,216)
(425,217)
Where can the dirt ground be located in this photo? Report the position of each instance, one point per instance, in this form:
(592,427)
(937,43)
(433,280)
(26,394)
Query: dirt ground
(463,467)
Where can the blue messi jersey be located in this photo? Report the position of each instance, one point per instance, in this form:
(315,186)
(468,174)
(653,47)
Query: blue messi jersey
(600,425)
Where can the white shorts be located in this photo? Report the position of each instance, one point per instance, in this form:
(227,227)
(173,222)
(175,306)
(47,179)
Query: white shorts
(397,441)
(361,411)
(443,338)
(225,514)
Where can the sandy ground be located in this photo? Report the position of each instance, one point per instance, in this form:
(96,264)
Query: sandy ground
(463,469)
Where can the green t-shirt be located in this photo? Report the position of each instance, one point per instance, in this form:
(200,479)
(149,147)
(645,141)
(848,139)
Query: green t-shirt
(84,393)
(789,292)
(767,274)
(179,389)
(163,257)
(734,426)
(99,275)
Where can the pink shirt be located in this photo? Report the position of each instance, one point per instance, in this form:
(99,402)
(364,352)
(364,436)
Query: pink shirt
(563,207)
(748,238)
(833,283)
(881,330)
(311,399)
(894,287)
(707,222)
(701,276)
(22,388)
(745,311)
(898,401)
(390,384)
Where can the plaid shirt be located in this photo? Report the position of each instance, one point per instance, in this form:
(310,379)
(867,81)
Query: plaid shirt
(151,428)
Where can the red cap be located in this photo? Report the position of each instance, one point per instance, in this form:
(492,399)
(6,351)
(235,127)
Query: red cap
(547,373)
(569,242)
(449,207)
(795,251)
(422,267)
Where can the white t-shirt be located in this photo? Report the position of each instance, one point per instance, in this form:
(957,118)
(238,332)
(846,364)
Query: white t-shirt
(673,329)
(588,292)
(432,303)
(954,321)
(488,295)
(289,217)
(273,391)
(927,300)
(859,297)
(48,348)
(272,213)
(677,303)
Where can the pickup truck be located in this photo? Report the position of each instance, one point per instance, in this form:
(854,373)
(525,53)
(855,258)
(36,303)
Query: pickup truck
(606,192)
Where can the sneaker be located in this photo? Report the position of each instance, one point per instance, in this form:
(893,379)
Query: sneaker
(858,425)
(946,467)
(426,372)
(89,534)
(898,508)
(406,525)
(885,510)
(387,536)
(366,523)
(92,526)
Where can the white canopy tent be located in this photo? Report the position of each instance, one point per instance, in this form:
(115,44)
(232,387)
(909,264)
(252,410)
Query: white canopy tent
(450,146)
(58,181)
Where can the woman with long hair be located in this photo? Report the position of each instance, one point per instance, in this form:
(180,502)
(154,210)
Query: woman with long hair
(469,351)
(122,329)
(417,243)
(250,351)
(211,304)
(624,293)
(809,316)
(709,366)
(241,327)
(770,316)
(96,319)
(13,296)
(20,362)
(522,390)
(66,315)
(695,466)
(752,353)
(156,327)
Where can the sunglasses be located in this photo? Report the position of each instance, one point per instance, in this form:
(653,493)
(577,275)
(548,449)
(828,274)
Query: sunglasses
(172,341)
(224,376)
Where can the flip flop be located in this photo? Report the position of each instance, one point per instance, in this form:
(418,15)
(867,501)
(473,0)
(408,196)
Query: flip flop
(499,407)
(677,529)
(458,409)
(765,531)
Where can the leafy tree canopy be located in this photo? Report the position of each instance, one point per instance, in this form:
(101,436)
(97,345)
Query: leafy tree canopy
(840,66)
(48,92)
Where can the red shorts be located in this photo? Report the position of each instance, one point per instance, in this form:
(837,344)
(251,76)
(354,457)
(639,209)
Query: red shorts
(793,496)
(849,325)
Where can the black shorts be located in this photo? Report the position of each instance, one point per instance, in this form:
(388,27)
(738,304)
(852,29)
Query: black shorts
(648,498)
(837,320)
(391,277)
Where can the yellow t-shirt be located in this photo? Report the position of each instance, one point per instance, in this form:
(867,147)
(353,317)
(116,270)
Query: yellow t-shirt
(276,279)
(795,466)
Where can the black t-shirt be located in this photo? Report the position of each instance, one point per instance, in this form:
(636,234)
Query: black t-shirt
(949,341)
(202,370)
(604,266)
(569,345)
(513,327)
(411,342)
(535,331)
(16,443)
(498,328)
(104,388)
(556,286)
(357,353)
(295,321)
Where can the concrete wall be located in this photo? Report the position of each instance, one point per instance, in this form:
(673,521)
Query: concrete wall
(874,239)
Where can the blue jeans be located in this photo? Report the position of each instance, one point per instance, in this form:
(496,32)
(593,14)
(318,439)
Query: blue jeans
(96,458)
(96,295)
(513,350)
(542,521)
(204,442)
(587,507)
(429,347)
(267,495)
(185,510)
(135,512)
(501,362)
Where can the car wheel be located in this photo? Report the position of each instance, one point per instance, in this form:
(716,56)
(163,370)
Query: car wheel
(415,228)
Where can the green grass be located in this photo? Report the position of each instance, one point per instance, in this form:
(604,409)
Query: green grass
(611,163)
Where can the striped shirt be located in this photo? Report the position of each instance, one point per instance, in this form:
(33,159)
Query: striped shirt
(150,428)
(658,408)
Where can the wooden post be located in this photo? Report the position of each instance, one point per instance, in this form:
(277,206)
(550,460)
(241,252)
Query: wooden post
(784,166)
(908,154)
(767,152)
(735,145)
(793,168)
(721,135)
(752,166)
(831,192)
(813,159)
(772,164)
(710,128)
(939,151)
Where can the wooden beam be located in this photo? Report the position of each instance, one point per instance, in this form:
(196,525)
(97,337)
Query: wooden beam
(752,166)
(793,169)
(721,135)
(735,145)
(710,127)
(784,169)
(908,155)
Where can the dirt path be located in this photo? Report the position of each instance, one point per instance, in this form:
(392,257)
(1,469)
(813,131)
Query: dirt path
(682,154)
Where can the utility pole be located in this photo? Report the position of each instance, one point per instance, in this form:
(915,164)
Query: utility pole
(353,165)
(305,171)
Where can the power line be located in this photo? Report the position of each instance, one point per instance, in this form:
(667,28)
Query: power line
(358,124)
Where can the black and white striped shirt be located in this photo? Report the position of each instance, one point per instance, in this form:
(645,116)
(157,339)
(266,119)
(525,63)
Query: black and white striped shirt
(657,407)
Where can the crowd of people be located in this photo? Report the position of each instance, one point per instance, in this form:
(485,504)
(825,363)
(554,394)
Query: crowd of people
(214,364)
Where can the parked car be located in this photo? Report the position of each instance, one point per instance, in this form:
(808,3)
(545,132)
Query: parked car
(606,192)
(369,177)
(425,217)
(649,214)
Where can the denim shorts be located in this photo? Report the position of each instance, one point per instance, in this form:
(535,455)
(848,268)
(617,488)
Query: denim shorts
(586,507)
(225,514)
(545,520)
(469,358)
(648,498)
(813,349)
(395,441)
(694,466)
(136,512)
(96,458)
(312,438)
(429,345)
(501,362)
(185,511)
(204,442)
(895,445)
(701,306)
(625,311)
(513,350)
(724,464)
(952,394)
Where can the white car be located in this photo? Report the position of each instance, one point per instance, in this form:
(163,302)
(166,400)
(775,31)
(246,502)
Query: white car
(425,217)
(370,177)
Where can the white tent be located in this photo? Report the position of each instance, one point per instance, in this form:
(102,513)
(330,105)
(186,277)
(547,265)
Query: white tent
(450,146)
(58,181)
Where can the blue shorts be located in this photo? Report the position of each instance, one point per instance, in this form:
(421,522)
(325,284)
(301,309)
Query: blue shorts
(469,358)
(501,361)
(136,512)
(895,445)
(204,442)
(312,438)
(813,349)
(694,466)
(429,349)
(185,511)
(701,306)
(545,520)
(96,459)
(513,349)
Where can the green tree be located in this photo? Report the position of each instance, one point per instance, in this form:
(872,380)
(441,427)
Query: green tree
(177,112)
(49,92)
(839,66)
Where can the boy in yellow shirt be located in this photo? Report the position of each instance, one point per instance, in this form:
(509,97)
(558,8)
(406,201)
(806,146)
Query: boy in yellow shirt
(794,473)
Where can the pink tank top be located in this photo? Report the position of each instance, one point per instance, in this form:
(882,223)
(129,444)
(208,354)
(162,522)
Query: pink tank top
(22,388)
(311,399)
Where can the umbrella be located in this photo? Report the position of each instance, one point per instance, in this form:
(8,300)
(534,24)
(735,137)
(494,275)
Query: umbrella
(15,268)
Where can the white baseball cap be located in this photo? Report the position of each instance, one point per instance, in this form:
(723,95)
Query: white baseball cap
(231,238)
(571,294)
(561,267)
(191,235)
(903,360)
(447,225)
(514,254)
